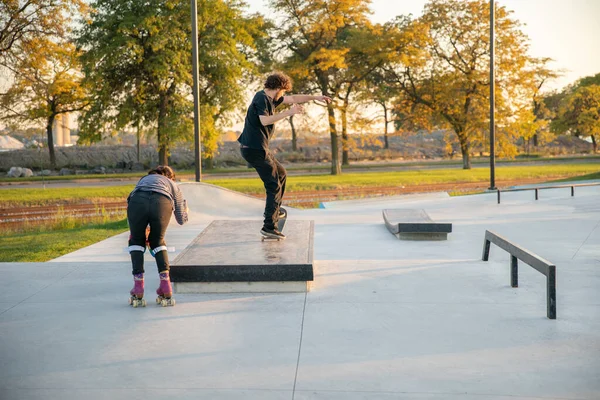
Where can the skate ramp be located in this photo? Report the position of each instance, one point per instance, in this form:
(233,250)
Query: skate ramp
(208,201)
(384,200)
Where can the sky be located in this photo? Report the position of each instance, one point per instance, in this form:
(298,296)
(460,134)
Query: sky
(565,30)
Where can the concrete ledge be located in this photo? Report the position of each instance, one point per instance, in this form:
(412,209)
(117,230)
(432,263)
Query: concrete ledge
(231,251)
(421,236)
(241,273)
(241,287)
(414,224)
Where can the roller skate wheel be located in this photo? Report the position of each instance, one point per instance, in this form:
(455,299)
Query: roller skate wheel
(143,302)
(166,302)
(130,301)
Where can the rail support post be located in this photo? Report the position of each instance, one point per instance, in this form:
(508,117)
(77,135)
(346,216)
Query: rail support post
(486,250)
(514,271)
(551,292)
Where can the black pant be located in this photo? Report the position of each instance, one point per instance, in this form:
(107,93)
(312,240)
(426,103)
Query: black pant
(154,209)
(273,175)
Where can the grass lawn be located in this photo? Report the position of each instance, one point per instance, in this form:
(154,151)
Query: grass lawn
(189,173)
(44,246)
(32,197)
(48,244)
(415,177)
(594,175)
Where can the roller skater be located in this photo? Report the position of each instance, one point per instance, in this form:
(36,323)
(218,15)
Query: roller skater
(150,204)
(164,291)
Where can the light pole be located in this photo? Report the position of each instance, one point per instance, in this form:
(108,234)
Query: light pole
(492,103)
(196,91)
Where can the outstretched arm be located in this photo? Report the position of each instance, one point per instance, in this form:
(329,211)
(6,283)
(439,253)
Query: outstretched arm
(271,119)
(303,98)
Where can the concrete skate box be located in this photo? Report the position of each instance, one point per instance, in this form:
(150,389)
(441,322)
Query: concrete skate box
(415,224)
(229,256)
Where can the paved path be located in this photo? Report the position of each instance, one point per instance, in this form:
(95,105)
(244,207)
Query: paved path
(386,319)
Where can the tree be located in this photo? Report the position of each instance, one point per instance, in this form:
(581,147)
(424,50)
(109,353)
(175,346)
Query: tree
(24,21)
(447,69)
(530,121)
(542,75)
(34,48)
(579,114)
(377,91)
(368,49)
(310,33)
(48,82)
(138,59)
(588,81)
(135,60)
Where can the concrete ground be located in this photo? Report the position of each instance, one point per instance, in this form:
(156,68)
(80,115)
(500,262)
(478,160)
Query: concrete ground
(386,319)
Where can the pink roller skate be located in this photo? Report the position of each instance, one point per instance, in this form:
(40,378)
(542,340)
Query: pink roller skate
(136,298)
(164,291)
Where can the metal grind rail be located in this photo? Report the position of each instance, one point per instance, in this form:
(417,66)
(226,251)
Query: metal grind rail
(538,188)
(538,263)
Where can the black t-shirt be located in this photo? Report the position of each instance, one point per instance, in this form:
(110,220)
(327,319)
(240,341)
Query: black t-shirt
(255,135)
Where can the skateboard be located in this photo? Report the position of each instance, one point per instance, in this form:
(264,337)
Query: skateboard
(280,225)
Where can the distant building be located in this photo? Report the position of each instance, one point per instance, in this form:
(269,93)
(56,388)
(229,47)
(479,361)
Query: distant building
(61,130)
(8,143)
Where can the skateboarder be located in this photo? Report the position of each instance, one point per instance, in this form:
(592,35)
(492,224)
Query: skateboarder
(152,201)
(254,142)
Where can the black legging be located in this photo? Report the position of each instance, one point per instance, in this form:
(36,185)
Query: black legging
(154,209)
(273,175)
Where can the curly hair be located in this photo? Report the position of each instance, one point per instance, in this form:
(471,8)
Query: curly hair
(163,170)
(278,80)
